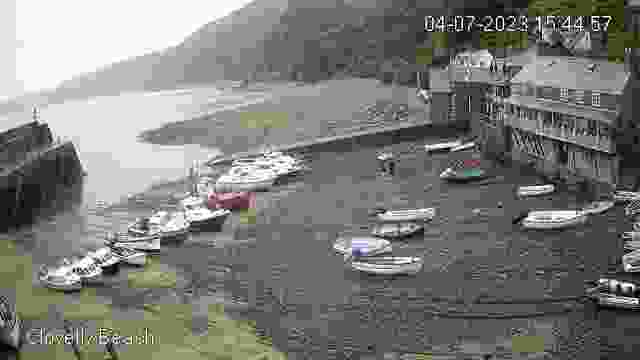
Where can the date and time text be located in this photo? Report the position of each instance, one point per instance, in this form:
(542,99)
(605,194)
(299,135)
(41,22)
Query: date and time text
(499,23)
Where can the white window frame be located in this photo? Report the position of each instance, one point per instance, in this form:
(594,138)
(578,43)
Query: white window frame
(564,94)
(579,96)
(595,95)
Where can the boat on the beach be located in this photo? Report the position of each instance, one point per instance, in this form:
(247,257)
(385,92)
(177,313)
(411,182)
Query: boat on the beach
(169,226)
(616,291)
(387,265)
(425,214)
(60,278)
(362,245)
(231,200)
(84,267)
(396,230)
(625,196)
(535,190)
(632,208)
(597,207)
(105,258)
(443,146)
(150,243)
(10,324)
(201,218)
(553,219)
(631,261)
(129,256)
(465,146)
(463,175)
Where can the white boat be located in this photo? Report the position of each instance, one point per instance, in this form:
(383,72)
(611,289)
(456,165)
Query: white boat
(631,235)
(60,278)
(632,208)
(425,214)
(443,146)
(384,156)
(129,256)
(631,261)
(84,267)
(10,324)
(396,230)
(362,245)
(597,207)
(388,265)
(535,190)
(618,292)
(624,196)
(169,226)
(465,146)
(201,218)
(105,258)
(632,245)
(553,219)
(149,243)
(245,180)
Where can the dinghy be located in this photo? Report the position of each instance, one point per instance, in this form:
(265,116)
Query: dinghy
(616,291)
(84,267)
(443,146)
(553,219)
(105,258)
(388,265)
(169,226)
(149,243)
(231,200)
(535,190)
(625,196)
(397,230)
(362,245)
(465,146)
(463,175)
(10,324)
(129,256)
(631,261)
(385,156)
(425,214)
(60,278)
(597,207)
(246,181)
(201,218)
(632,208)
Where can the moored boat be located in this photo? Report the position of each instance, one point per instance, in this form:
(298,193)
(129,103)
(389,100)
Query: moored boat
(553,219)
(231,200)
(631,235)
(425,214)
(129,256)
(632,245)
(387,265)
(149,243)
(362,245)
(597,207)
(535,190)
(105,258)
(201,218)
(84,267)
(246,181)
(633,208)
(615,291)
(443,146)
(396,230)
(10,324)
(60,278)
(463,175)
(625,196)
(465,146)
(631,261)
(169,226)
(384,156)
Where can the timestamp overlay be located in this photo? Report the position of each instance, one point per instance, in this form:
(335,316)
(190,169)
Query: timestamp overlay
(516,23)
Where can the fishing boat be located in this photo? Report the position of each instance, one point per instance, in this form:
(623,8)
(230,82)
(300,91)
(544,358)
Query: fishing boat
(129,256)
(10,324)
(201,218)
(632,208)
(425,214)
(397,230)
(631,261)
(625,196)
(105,258)
(617,291)
(387,265)
(553,219)
(231,200)
(463,175)
(60,278)
(84,267)
(597,207)
(443,146)
(362,245)
(464,146)
(169,226)
(150,243)
(535,190)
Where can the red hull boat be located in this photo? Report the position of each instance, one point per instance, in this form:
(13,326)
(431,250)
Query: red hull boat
(231,200)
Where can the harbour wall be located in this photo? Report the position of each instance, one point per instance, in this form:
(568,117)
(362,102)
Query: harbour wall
(33,169)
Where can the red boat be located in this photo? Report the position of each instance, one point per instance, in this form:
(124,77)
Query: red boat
(231,200)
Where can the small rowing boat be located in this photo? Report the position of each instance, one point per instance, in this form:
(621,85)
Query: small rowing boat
(465,146)
(169,226)
(443,146)
(397,230)
(362,245)
(625,196)
(84,267)
(129,256)
(617,291)
(388,265)
(535,190)
(425,214)
(60,278)
(553,219)
(463,175)
(149,243)
(385,156)
(597,207)
(231,200)
(105,258)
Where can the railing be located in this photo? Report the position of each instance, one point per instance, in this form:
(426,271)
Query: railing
(594,142)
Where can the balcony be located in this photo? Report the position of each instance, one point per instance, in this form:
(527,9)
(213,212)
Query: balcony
(597,143)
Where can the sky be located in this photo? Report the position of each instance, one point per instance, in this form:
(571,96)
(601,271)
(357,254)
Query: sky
(55,40)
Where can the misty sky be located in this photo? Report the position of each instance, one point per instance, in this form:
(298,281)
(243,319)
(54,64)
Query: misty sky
(55,40)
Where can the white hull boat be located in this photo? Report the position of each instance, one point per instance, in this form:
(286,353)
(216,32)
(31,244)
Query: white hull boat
(60,278)
(407,215)
(444,146)
(624,196)
(618,293)
(10,324)
(392,265)
(384,156)
(631,261)
(553,219)
(466,146)
(105,258)
(86,268)
(254,182)
(169,226)
(143,243)
(597,207)
(362,245)
(396,230)
(130,256)
(201,218)
(632,245)
(535,190)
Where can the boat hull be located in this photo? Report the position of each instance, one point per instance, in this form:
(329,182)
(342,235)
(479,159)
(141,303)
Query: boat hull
(463,177)
(397,235)
(539,225)
(265,185)
(213,224)
(372,268)
(598,208)
(406,216)
(110,269)
(535,190)
(621,302)
(234,201)
(374,247)
(72,286)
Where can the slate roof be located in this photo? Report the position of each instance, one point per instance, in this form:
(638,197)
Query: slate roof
(572,73)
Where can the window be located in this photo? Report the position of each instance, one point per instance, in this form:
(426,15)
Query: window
(564,94)
(595,99)
(579,96)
